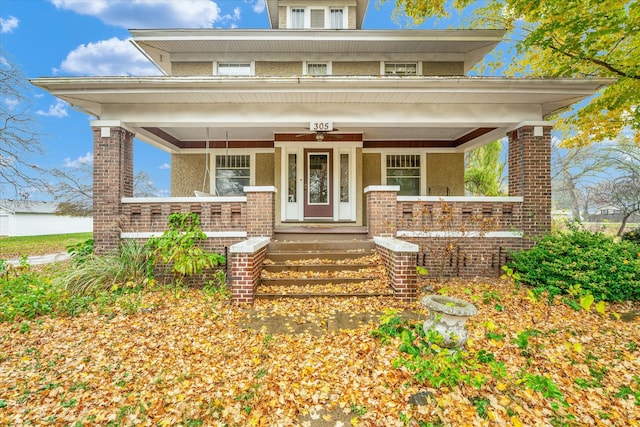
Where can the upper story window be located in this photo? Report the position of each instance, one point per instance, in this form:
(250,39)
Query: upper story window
(234,69)
(337,18)
(297,18)
(318,69)
(317,17)
(401,68)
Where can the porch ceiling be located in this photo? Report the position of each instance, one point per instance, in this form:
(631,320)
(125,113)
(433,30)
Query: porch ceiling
(457,113)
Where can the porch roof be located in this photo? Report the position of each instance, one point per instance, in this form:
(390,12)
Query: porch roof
(171,111)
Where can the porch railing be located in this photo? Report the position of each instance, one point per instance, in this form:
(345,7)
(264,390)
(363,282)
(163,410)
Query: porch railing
(223,217)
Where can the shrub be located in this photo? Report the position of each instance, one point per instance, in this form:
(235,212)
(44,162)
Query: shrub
(594,262)
(81,251)
(129,266)
(632,236)
(178,249)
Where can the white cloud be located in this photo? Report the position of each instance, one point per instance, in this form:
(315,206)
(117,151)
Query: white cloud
(164,166)
(87,159)
(9,24)
(113,57)
(147,13)
(59,109)
(258,6)
(11,103)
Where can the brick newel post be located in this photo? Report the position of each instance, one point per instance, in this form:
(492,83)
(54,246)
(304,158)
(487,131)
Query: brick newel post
(381,210)
(530,176)
(261,211)
(112,180)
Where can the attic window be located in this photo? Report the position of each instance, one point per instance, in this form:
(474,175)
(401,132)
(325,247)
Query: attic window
(318,69)
(234,69)
(400,68)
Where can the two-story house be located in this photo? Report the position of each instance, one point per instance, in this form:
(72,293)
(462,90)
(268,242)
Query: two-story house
(318,121)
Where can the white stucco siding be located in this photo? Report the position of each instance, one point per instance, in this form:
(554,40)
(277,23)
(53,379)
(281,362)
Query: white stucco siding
(28,224)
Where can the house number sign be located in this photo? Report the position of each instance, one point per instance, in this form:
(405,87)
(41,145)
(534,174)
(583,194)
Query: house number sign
(321,126)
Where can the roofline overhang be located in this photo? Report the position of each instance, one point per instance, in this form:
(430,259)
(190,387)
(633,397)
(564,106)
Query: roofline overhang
(316,34)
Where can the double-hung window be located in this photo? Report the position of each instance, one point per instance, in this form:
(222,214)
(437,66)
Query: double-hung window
(233,173)
(404,170)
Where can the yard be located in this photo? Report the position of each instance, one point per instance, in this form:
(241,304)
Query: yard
(177,356)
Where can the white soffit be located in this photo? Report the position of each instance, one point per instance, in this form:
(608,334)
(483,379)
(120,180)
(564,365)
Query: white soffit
(164,46)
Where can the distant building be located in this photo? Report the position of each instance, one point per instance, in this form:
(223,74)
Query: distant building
(611,214)
(30,218)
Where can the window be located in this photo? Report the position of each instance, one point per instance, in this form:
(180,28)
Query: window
(344,177)
(337,19)
(292,178)
(317,69)
(233,173)
(404,170)
(234,69)
(297,18)
(401,68)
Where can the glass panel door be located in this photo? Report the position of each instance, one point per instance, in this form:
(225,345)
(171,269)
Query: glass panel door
(318,185)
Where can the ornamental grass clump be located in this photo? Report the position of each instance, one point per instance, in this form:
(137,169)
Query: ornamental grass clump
(594,262)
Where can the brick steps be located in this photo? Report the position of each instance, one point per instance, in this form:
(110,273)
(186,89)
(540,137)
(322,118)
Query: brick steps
(322,268)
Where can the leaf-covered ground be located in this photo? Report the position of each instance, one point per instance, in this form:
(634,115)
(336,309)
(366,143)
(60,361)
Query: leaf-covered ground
(187,358)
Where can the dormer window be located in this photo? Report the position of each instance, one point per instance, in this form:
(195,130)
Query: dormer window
(317,17)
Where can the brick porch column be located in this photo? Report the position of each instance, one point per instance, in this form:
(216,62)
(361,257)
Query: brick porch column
(530,175)
(399,258)
(261,211)
(112,180)
(381,209)
(246,260)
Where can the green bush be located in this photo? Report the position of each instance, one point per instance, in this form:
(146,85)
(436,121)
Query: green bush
(594,262)
(178,249)
(25,294)
(632,236)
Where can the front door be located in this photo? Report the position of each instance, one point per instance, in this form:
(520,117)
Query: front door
(318,185)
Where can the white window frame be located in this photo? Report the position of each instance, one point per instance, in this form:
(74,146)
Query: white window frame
(252,68)
(327,16)
(232,152)
(423,166)
(384,63)
(290,10)
(305,68)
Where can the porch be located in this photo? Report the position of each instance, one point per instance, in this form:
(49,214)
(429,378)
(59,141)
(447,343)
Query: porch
(404,228)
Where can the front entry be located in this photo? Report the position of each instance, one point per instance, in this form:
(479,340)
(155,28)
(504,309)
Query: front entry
(318,183)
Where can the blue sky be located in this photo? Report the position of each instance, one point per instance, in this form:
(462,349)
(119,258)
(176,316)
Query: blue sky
(59,38)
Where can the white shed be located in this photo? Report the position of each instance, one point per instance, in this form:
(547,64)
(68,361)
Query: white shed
(31,218)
